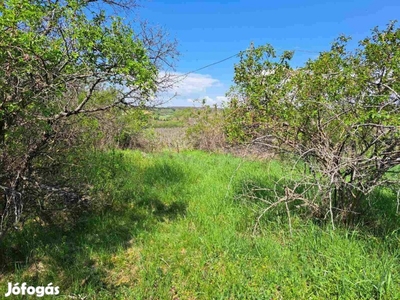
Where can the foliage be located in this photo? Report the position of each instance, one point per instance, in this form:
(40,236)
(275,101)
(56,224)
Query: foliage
(57,61)
(206,129)
(116,128)
(339,114)
(254,87)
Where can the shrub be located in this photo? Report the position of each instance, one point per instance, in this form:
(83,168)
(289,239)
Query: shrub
(207,132)
(339,114)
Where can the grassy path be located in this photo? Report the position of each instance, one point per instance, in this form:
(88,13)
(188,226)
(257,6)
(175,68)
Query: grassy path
(174,228)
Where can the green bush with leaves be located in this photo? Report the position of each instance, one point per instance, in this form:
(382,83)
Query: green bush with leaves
(57,61)
(339,114)
(254,87)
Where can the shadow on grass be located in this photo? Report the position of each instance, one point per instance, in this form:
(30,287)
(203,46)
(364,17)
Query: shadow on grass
(75,255)
(379,213)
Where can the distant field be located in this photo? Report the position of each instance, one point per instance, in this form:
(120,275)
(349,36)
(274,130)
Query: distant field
(171,117)
(175,227)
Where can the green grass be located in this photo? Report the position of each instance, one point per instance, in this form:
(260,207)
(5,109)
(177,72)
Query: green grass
(171,226)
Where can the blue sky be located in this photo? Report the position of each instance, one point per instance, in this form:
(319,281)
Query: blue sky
(209,31)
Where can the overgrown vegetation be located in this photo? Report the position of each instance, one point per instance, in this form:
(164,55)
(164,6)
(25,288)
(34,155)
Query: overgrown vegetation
(60,61)
(338,115)
(175,225)
(77,85)
(206,132)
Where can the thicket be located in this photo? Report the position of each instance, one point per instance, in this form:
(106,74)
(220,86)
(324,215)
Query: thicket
(206,129)
(67,71)
(337,117)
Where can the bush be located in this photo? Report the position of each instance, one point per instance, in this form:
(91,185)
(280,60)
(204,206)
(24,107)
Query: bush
(59,62)
(207,132)
(339,115)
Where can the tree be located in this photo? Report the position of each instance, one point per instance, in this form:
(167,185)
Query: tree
(254,87)
(339,114)
(57,59)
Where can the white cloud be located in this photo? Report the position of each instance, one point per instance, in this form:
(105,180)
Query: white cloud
(193,88)
(209,100)
(219,100)
(199,101)
(193,83)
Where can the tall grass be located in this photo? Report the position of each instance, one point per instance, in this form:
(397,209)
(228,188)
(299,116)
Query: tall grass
(173,226)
